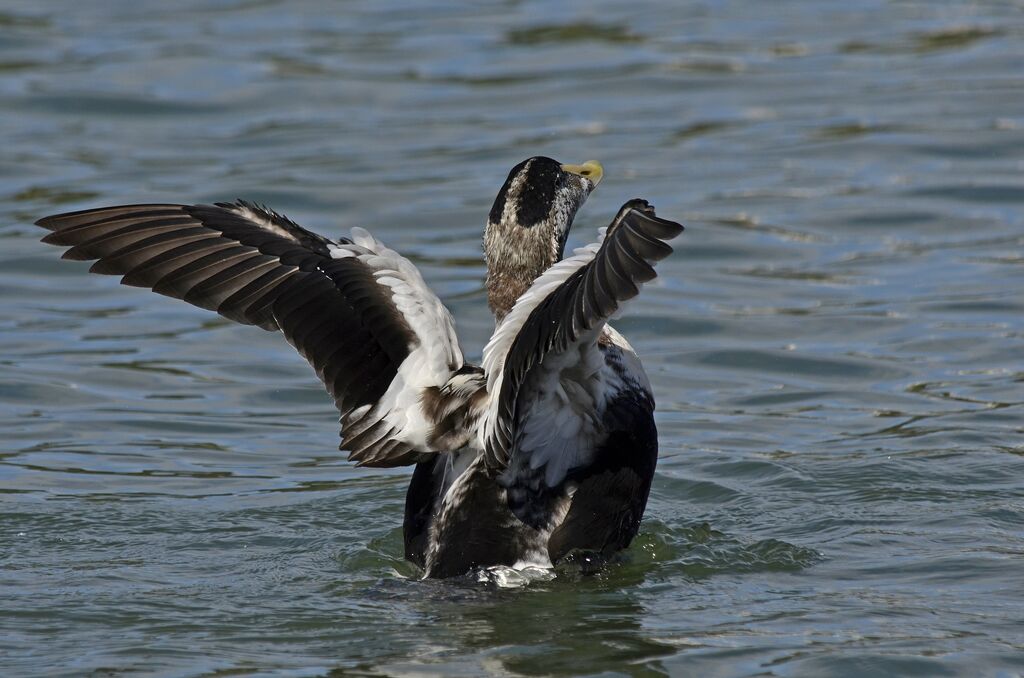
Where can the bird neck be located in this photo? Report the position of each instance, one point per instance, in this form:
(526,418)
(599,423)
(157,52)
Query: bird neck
(515,258)
(504,287)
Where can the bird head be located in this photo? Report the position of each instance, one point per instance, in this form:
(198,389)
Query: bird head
(529,223)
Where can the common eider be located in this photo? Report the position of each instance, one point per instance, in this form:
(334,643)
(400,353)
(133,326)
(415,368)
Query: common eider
(544,452)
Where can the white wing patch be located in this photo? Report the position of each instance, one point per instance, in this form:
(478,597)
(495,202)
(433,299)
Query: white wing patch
(430,363)
(428,317)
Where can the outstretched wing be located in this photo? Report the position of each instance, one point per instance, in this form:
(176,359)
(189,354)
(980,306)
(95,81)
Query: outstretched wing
(548,344)
(357,311)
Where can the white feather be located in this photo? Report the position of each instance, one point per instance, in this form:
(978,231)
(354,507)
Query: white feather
(432,359)
(262,221)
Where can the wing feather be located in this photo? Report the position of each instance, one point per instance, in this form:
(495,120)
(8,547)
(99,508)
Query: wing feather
(565,309)
(358,312)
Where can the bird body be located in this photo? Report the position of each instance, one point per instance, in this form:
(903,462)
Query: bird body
(545,450)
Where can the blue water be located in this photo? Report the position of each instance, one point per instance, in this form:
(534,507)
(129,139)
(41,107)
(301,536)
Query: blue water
(837,347)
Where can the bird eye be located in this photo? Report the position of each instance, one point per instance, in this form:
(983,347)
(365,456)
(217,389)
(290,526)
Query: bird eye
(585,172)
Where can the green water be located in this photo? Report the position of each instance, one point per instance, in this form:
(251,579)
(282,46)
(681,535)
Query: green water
(837,347)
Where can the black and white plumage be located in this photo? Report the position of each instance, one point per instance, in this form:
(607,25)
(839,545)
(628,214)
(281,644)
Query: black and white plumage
(546,449)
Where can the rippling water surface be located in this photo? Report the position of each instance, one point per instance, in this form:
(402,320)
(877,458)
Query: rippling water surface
(837,348)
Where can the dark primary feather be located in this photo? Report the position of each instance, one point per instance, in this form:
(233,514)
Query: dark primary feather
(207,255)
(257,267)
(633,243)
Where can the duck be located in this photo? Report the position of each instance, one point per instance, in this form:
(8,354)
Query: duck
(543,454)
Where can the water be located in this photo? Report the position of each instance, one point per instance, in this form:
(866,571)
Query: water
(837,348)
